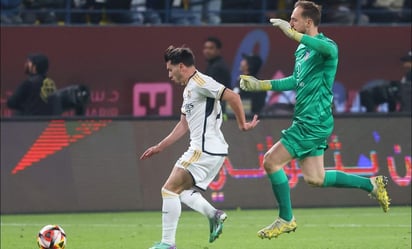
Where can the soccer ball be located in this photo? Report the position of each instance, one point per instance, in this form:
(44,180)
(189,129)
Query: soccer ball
(51,237)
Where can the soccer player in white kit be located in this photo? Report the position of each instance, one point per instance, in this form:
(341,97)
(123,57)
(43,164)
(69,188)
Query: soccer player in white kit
(198,166)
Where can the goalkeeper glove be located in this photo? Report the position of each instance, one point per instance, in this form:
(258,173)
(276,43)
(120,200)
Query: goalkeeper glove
(251,84)
(287,29)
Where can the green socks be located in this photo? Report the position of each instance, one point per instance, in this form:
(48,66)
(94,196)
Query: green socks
(281,189)
(339,179)
(333,178)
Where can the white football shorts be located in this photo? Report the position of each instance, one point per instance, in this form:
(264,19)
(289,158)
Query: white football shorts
(202,166)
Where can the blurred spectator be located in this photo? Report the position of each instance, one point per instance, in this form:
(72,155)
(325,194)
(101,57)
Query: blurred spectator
(78,14)
(405,83)
(238,11)
(250,65)
(213,11)
(384,11)
(195,12)
(42,11)
(31,96)
(279,103)
(95,8)
(206,11)
(272,9)
(181,12)
(155,11)
(89,11)
(216,65)
(248,11)
(406,13)
(10,12)
(118,11)
(147,11)
(342,12)
(137,8)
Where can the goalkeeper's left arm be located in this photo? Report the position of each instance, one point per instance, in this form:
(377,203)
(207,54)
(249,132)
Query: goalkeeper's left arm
(251,84)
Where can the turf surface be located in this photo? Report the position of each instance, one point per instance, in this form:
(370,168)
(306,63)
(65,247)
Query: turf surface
(337,228)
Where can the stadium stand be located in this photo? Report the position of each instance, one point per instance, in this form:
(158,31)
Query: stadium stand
(206,12)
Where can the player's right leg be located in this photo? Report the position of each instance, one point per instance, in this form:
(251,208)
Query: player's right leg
(161,245)
(274,160)
(278,227)
(178,180)
(171,210)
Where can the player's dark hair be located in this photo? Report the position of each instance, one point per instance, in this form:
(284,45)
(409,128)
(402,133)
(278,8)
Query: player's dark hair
(310,10)
(179,55)
(215,40)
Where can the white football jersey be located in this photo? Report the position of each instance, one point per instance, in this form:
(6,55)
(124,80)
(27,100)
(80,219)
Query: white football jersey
(201,106)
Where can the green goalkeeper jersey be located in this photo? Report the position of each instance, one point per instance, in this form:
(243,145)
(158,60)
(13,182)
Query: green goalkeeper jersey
(312,79)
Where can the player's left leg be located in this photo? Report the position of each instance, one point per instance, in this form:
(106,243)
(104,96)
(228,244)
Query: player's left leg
(193,199)
(314,174)
(216,225)
(203,170)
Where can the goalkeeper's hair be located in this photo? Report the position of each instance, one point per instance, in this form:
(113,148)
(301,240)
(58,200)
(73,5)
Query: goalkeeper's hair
(178,55)
(310,10)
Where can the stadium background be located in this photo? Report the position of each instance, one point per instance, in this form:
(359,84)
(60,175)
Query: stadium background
(91,163)
(121,64)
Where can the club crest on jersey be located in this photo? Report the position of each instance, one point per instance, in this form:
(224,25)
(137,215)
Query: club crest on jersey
(187,94)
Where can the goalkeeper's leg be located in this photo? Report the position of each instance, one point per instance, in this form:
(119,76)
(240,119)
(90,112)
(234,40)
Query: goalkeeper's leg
(375,186)
(274,160)
(314,173)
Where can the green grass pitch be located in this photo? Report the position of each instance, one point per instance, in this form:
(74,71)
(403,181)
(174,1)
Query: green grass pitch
(325,228)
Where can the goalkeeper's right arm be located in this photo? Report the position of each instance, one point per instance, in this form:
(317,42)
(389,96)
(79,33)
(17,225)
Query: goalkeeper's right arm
(251,84)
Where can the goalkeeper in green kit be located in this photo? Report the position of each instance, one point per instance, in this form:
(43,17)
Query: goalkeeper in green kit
(306,139)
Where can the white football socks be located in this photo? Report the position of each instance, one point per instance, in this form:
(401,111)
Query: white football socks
(171,211)
(197,202)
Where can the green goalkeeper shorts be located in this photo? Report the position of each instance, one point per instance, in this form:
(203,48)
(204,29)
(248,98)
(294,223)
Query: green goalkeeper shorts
(302,141)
